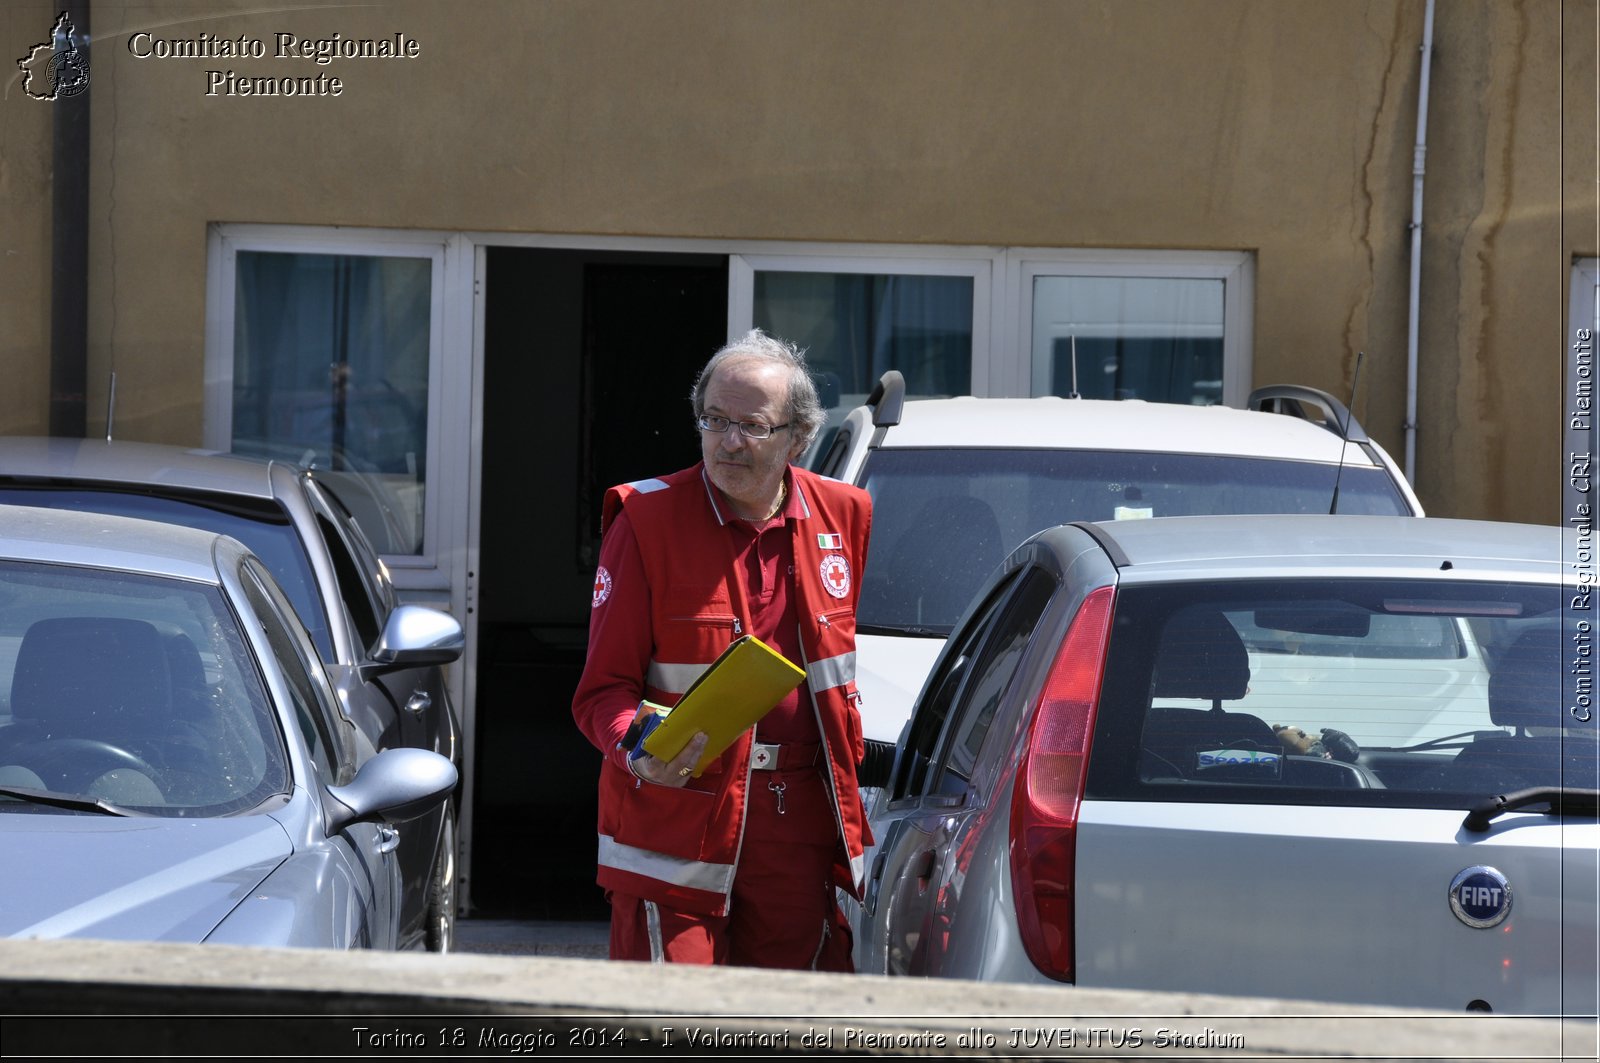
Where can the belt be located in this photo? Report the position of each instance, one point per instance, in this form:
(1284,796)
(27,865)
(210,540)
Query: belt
(771,756)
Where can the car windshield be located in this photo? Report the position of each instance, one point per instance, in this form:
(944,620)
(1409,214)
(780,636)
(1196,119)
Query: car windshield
(944,518)
(1412,693)
(134,690)
(263,527)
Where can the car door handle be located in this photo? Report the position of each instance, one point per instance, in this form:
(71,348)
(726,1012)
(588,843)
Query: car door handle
(388,838)
(924,869)
(420,702)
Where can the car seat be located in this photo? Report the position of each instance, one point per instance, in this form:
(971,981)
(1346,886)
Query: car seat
(1526,694)
(1202,657)
(89,693)
(198,738)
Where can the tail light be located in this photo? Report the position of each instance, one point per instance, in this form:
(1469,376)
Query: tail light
(1049,789)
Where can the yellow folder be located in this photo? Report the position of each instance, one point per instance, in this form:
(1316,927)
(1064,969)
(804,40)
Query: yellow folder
(740,687)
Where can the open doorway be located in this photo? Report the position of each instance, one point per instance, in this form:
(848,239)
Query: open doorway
(588,361)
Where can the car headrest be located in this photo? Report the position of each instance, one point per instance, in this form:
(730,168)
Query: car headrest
(186,675)
(1201,656)
(1525,687)
(90,676)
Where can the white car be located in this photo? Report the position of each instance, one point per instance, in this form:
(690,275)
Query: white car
(1091,789)
(957,483)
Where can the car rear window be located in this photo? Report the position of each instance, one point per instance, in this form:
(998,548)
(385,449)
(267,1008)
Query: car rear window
(943,519)
(263,527)
(1361,691)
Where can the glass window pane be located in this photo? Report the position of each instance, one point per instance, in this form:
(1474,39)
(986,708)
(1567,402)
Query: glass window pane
(944,518)
(331,356)
(1396,693)
(265,529)
(991,675)
(929,722)
(1152,338)
(855,326)
(155,669)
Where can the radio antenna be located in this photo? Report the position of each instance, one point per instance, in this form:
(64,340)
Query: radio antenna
(1073,394)
(1344,430)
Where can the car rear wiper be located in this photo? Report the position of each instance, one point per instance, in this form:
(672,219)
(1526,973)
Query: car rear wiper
(76,802)
(1561,799)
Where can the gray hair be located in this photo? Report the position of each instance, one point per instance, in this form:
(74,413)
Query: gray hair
(805,411)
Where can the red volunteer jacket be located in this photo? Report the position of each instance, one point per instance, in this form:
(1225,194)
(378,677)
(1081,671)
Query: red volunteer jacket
(680,847)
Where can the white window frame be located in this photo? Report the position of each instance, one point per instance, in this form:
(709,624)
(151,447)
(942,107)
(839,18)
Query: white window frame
(444,251)
(1236,269)
(446,574)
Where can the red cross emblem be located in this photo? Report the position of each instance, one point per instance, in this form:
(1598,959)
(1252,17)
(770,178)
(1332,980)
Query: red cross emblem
(836,575)
(602,586)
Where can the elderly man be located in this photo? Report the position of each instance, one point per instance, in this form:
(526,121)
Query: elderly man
(739,864)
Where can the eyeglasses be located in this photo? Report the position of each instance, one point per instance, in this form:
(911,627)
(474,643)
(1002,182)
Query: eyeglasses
(708,422)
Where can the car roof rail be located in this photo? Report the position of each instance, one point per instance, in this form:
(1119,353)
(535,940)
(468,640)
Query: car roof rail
(1293,399)
(888,399)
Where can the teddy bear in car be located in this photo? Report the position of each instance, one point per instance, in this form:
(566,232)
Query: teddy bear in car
(1328,744)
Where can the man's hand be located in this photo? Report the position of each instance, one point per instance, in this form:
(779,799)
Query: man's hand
(674,772)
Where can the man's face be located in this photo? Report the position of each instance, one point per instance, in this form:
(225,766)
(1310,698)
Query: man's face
(748,471)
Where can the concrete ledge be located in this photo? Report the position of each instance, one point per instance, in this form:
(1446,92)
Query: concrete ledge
(84,998)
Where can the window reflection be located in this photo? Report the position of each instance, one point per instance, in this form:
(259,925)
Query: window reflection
(1152,338)
(331,356)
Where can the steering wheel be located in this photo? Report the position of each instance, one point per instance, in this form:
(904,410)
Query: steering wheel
(79,761)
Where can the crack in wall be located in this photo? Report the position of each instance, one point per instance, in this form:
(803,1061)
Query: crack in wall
(1487,413)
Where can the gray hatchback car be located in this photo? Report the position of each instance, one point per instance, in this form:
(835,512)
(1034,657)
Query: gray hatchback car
(307,538)
(1346,759)
(174,765)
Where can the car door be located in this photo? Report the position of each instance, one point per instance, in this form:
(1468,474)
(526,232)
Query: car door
(362,872)
(915,877)
(416,701)
(423,717)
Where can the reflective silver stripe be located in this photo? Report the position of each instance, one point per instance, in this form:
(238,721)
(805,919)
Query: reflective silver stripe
(645,487)
(831,671)
(652,923)
(693,874)
(673,678)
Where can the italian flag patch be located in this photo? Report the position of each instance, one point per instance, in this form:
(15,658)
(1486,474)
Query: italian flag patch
(830,541)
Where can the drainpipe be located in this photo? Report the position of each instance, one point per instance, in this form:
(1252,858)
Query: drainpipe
(69,250)
(1418,156)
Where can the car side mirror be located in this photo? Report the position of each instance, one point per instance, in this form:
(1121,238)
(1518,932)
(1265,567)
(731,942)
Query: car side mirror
(415,636)
(396,785)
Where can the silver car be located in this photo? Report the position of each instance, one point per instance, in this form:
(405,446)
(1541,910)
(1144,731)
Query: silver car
(173,762)
(1346,759)
(302,531)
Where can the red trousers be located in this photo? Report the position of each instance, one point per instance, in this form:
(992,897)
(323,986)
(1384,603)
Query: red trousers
(783,912)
